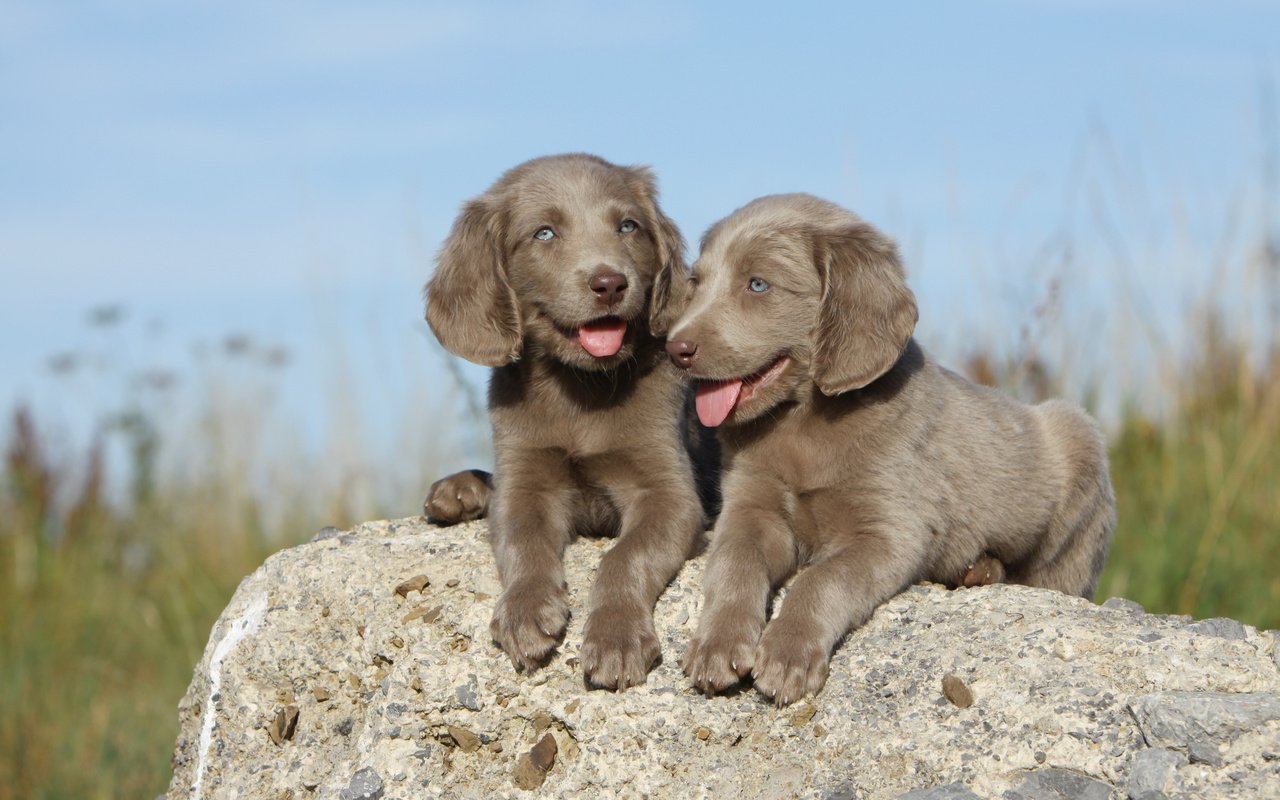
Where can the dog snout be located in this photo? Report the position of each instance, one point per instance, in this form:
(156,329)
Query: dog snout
(608,285)
(682,352)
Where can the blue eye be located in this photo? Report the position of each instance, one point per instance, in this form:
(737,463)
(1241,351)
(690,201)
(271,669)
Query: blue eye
(758,285)
(544,234)
(627,226)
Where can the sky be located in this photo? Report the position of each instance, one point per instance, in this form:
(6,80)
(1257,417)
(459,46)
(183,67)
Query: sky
(284,172)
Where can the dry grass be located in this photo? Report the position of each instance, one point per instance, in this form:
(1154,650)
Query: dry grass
(107,595)
(105,606)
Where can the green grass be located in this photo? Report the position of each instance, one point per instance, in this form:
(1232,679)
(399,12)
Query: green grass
(1199,497)
(103,615)
(104,610)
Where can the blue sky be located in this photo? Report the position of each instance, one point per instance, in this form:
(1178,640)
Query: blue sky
(287,169)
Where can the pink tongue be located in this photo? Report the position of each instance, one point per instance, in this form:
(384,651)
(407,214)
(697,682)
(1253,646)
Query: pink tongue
(603,338)
(716,400)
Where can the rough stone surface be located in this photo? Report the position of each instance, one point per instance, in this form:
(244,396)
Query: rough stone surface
(1222,627)
(1071,699)
(1202,724)
(1152,769)
(1059,784)
(951,791)
(366,784)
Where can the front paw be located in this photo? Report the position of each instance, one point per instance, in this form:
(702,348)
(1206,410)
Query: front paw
(529,621)
(791,662)
(619,647)
(459,497)
(723,650)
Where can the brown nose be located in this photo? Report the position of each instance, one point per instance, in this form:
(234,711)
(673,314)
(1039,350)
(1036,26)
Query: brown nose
(609,286)
(682,352)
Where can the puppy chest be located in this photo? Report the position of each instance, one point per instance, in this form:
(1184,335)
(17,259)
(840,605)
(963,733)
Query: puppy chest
(635,419)
(823,517)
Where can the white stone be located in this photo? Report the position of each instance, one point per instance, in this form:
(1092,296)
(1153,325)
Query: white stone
(881,728)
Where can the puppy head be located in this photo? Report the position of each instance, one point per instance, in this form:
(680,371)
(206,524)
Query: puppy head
(569,255)
(787,291)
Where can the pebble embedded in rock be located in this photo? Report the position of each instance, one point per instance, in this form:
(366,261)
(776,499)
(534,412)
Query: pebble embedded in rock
(543,754)
(414,614)
(415,584)
(702,733)
(466,695)
(528,777)
(803,713)
(466,741)
(955,690)
(283,725)
(531,767)
(366,784)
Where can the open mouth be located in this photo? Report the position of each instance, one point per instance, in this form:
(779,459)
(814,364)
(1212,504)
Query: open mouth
(716,400)
(601,337)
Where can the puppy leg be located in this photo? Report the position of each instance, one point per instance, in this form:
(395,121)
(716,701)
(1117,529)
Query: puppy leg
(530,526)
(1074,549)
(1074,552)
(753,552)
(658,529)
(459,497)
(837,592)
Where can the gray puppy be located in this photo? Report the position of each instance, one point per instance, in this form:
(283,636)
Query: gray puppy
(557,277)
(850,456)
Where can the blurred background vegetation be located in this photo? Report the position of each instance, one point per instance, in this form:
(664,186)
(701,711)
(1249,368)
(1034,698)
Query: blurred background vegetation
(111,582)
(117,555)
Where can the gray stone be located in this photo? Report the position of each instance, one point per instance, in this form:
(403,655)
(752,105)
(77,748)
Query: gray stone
(1222,627)
(842,791)
(951,791)
(1199,723)
(466,694)
(1054,677)
(1203,751)
(327,532)
(1152,770)
(1124,604)
(366,784)
(1059,784)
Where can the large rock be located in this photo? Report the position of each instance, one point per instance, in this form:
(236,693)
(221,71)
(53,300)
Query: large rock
(333,674)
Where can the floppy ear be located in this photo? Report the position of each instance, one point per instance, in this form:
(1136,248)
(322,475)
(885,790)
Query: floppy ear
(669,282)
(470,306)
(867,312)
